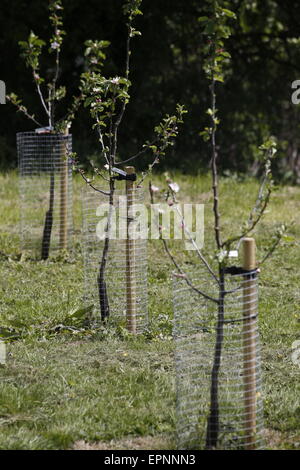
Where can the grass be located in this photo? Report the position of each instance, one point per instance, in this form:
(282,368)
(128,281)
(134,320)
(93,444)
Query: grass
(77,387)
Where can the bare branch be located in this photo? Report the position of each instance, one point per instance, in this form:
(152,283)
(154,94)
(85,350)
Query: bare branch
(141,152)
(172,258)
(253,221)
(280,233)
(270,252)
(22,109)
(89,182)
(123,107)
(98,173)
(186,230)
(42,99)
(198,251)
(183,274)
(155,162)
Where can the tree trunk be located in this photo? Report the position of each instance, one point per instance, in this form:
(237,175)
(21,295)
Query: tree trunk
(101,281)
(48,221)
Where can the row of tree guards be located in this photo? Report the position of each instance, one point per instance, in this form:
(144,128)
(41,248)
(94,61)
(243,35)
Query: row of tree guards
(219,403)
(46,226)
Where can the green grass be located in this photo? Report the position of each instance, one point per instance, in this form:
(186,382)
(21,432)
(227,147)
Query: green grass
(74,387)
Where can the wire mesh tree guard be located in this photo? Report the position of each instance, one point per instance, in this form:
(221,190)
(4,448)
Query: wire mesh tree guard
(118,291)
(45,174)
(218,373)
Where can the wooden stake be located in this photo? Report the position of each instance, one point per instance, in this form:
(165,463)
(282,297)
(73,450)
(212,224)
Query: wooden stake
(131,309)
(63,220)
(249,343)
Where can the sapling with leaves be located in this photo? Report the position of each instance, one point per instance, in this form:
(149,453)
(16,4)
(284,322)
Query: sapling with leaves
(107,99)
(50,94)
(216,30)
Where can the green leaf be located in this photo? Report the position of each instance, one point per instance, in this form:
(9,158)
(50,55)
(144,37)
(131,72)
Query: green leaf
(229,13)
(288,239)
(202,19)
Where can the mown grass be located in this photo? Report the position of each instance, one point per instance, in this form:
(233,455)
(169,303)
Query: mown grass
(63,386)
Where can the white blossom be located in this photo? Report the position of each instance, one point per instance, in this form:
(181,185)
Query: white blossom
(174,187)
(115,80)
(54,45)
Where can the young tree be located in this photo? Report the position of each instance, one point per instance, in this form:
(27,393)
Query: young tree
(50,94)
(107,98)
(216,30)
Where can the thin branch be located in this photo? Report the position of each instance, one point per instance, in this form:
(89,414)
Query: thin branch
(141,152)
(121,114)
(98,173)
(50,108)
(42,99)
(198,251)
(46,240)
(155,161)
(23,109)
(253,223)
(183,274)
(261,202)
(102,144)
(213,420)
(214,168)
(103,296)
(271,251)
(232,291)
(110,135)
(172,258)
(200,255)
(54,82)
(87,180)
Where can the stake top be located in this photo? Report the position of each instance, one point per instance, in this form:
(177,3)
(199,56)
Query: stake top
(129,170)
(249,253)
